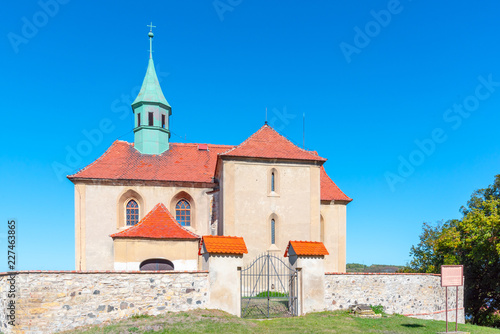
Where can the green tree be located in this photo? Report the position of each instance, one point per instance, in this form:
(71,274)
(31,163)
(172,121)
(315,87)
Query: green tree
(473,241)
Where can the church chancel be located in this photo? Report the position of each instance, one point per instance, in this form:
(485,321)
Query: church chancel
(145,205)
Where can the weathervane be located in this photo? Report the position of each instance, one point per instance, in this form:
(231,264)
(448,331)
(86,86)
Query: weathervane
(151,26)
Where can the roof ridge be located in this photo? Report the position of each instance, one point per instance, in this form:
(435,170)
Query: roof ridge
(189,144)
(175,221)
(134,227)
(162,207)
(308,241)
(291,142)
(279,134)
(235,147)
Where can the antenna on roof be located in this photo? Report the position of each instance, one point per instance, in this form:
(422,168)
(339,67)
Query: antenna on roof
(304,130)
(266,116)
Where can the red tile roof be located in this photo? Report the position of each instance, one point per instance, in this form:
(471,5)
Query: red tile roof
(329,190)
(267,143)
(157,224)
(197,162)
(223,245)
(182,162)
(307,248)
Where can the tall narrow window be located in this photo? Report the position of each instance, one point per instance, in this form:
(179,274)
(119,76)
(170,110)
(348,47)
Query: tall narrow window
(273,232)
(150,119)
(139,119)
(273,182)
(132,213)
(163,121)
(183,212)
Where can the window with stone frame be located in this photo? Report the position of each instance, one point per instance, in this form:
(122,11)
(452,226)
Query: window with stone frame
(183,212)
(132,209)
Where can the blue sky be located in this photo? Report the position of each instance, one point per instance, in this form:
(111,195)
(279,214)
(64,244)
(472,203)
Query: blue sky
(402,98)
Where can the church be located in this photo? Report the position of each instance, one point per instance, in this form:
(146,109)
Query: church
(146,205)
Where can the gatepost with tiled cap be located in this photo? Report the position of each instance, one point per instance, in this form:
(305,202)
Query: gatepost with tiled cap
(308,257)
(222,256)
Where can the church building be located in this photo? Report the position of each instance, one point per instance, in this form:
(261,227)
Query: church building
(145,205)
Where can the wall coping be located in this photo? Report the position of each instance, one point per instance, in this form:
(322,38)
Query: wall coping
(84,272)
(419,274)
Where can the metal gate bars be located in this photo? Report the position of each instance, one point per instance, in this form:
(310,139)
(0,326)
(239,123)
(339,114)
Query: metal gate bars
(269,288)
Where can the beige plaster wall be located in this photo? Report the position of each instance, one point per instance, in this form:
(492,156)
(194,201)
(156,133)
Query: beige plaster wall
(129,253)
(96,218)
(80,208)
(248,204)
(224,279)
(334,237)
(312,283)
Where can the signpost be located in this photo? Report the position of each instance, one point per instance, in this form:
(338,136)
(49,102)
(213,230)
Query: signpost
(452,276)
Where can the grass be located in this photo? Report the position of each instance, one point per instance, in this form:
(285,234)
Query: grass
(215,321)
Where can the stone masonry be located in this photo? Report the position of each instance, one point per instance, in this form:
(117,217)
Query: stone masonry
(49,302)
(415,295)
(53,301)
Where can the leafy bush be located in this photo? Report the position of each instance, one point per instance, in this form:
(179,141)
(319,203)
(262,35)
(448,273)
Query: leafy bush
(377,309)
(271,294)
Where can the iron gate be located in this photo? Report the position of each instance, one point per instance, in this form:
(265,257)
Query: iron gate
(269,288)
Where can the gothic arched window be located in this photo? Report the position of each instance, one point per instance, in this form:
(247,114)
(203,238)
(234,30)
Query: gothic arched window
(132,213)
(183,212)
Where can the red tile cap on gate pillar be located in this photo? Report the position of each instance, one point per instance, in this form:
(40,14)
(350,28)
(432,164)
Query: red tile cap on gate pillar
(223,245)
(306,248)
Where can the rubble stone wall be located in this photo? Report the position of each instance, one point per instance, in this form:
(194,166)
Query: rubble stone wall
(415,295)
(48,302)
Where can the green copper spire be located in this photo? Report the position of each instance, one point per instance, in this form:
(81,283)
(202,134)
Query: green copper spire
(151,109)
(151,90)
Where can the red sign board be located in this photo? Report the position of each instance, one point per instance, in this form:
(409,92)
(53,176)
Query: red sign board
(452,275)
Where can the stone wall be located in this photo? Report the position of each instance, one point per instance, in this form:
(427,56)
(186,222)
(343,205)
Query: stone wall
(414,295)
(49,301)
(52,301)
(4,288)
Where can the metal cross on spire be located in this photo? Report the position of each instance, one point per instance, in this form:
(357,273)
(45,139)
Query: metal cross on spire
(151,26)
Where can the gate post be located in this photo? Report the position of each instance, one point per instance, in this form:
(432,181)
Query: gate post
(308,257)
(222,256)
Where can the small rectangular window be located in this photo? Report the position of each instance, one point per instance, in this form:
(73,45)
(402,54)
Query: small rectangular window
(150,119)
(163,121)
(139,119)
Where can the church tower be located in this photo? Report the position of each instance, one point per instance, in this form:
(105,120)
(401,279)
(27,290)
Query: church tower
(151,112)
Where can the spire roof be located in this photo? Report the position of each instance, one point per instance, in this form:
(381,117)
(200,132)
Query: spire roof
(151,90)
